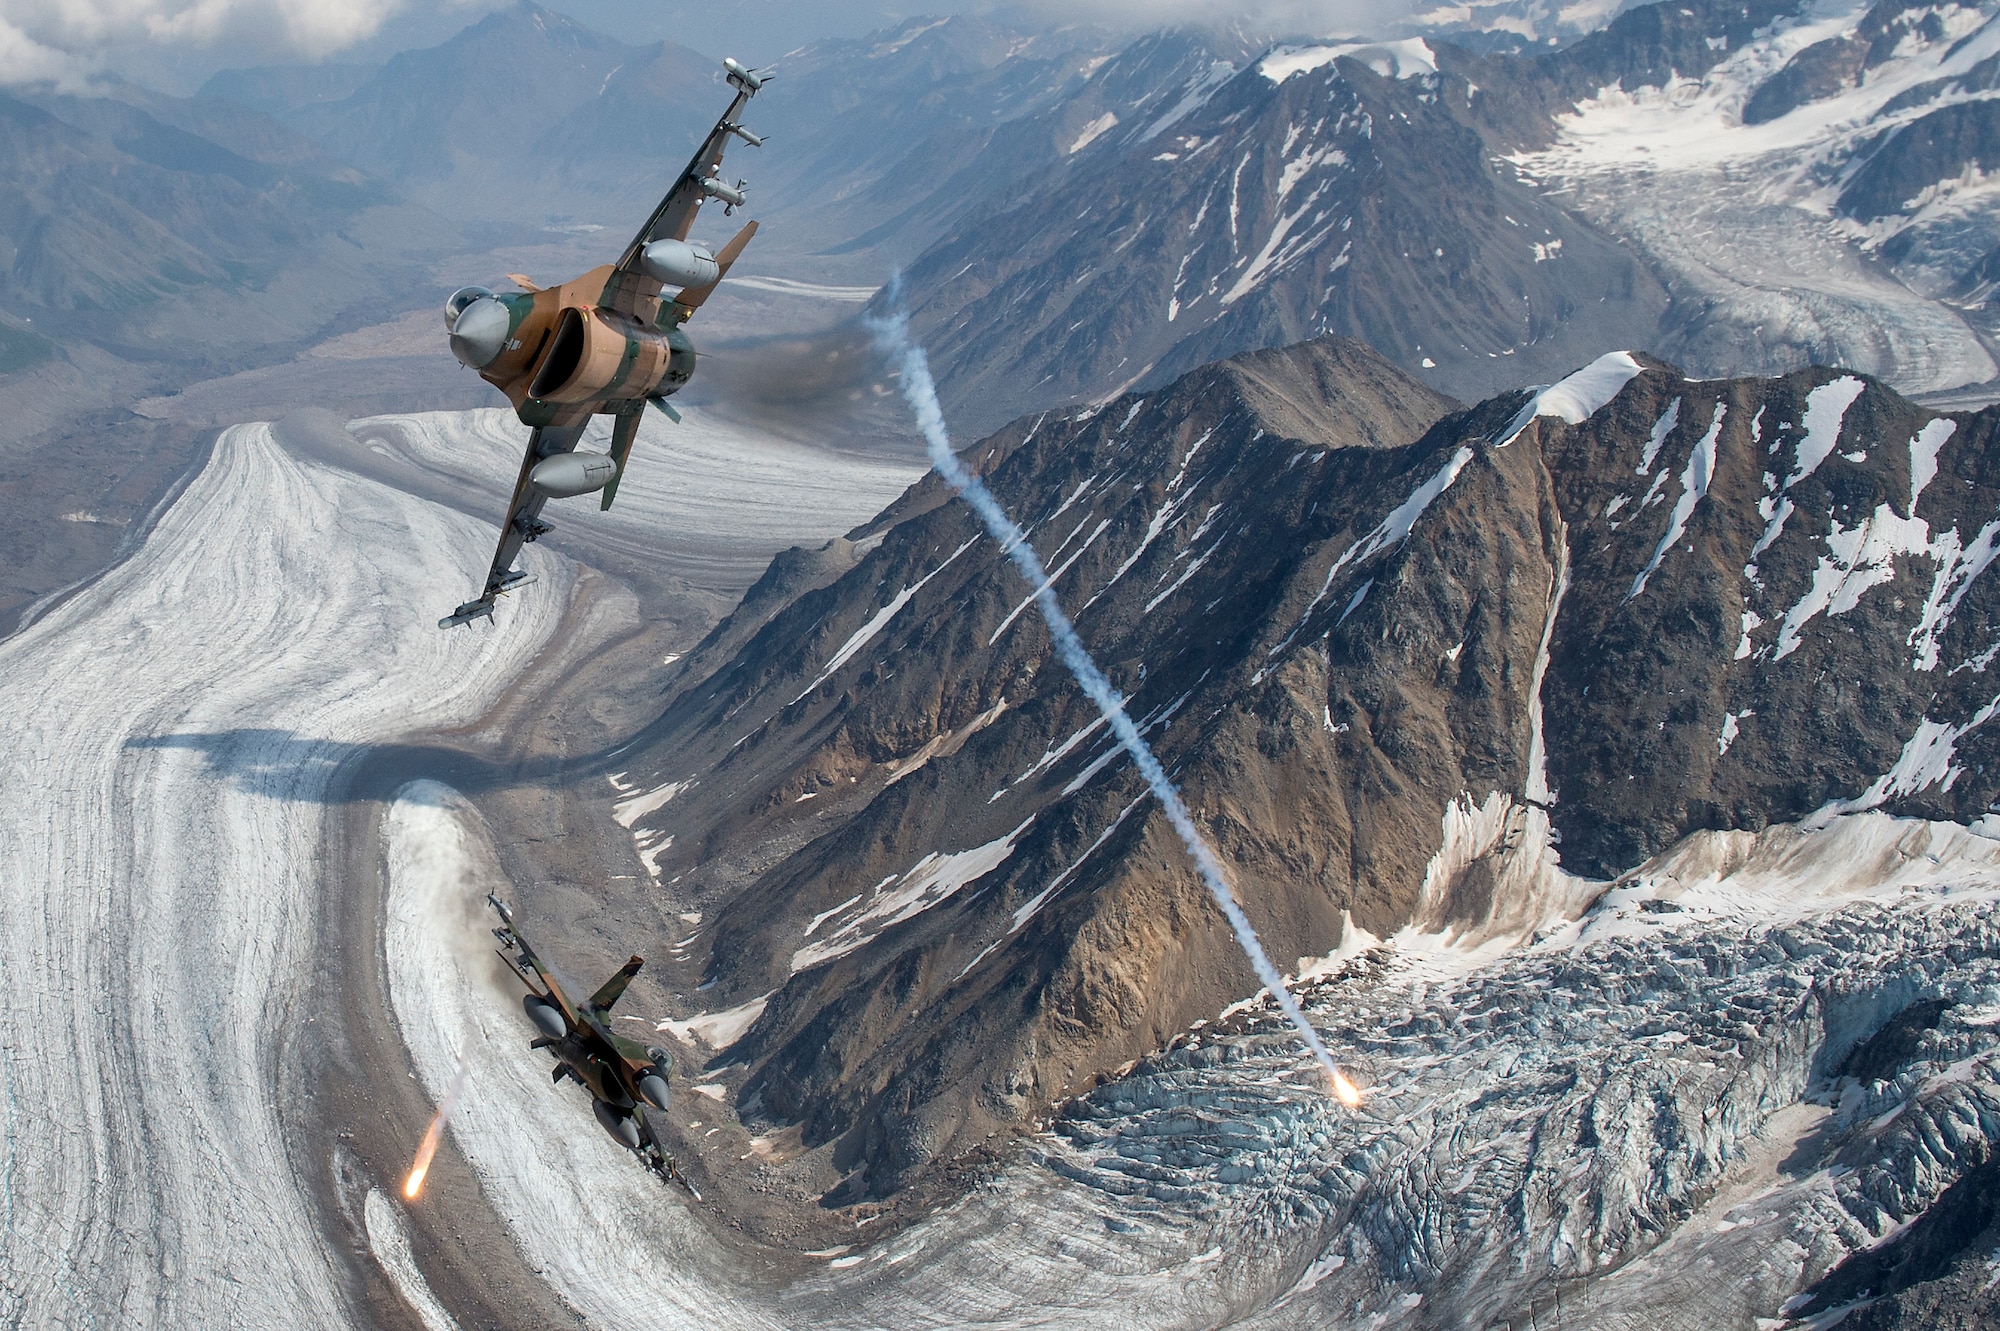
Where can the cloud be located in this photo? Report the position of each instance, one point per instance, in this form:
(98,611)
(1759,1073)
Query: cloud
(65,41)
(1271,17)
(25,60)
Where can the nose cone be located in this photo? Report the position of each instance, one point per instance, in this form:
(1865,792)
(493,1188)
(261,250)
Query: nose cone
(480,333)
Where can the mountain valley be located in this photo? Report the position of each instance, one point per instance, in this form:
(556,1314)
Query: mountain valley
(1527,471)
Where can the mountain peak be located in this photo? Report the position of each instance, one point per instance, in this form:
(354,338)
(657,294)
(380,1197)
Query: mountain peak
(1332,391)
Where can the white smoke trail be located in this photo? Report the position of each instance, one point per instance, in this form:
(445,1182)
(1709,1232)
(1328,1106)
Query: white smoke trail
(920,391)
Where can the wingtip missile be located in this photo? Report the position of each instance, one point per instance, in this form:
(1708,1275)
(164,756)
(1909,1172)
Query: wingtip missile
(482,608)
(466,613)
(745,78)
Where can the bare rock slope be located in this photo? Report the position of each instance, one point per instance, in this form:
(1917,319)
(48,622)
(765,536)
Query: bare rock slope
(1411,665)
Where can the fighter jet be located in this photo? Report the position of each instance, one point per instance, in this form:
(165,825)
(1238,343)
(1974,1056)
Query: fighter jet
(604,344)
(621,1075)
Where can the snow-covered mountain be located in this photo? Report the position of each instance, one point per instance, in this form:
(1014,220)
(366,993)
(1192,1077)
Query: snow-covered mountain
(1742,188)
(1315,189)
(1818,191)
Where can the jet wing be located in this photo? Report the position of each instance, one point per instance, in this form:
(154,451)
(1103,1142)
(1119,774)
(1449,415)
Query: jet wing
(697,184)
(527,962)
(521,525)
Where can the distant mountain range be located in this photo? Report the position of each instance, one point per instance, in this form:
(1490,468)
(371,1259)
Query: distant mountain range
(121,210)
(1738,186)
(1680,180)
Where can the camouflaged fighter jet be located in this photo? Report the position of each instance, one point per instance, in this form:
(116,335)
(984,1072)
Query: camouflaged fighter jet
(604,344)
(622,1076)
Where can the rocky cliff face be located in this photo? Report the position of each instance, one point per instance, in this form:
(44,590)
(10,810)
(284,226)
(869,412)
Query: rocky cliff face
(1411,665)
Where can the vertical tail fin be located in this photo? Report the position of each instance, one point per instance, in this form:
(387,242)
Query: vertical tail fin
(615,986)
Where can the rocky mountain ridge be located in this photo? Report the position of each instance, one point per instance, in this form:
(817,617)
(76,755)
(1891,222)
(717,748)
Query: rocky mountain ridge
(1413,666)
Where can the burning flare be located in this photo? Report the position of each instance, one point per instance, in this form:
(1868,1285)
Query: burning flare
(434,1134)
(920,391)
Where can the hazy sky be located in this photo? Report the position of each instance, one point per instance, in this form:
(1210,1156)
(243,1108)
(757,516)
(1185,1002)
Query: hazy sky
(175,44)
(178,43)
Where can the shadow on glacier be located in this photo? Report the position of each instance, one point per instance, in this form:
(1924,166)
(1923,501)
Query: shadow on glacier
(284,765)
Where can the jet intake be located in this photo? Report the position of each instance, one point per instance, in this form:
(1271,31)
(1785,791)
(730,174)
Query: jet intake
(676,263)
(569,474)
(597,355)
(546,1016)
(621,1126)
(479,330)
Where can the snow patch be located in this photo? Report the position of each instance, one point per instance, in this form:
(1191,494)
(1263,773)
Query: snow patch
(862,636)
(718,1030)
(932,879)
(1924,448)
(1957,568)
(1661,429)
(1826,408)
(1926,761)
(1580,396)
(1392,60)
(1694,485)
(1091,133)
(629,811)
(1860,557)
(1730,730)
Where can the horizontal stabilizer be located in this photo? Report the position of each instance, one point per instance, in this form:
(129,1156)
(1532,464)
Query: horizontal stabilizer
(615,986)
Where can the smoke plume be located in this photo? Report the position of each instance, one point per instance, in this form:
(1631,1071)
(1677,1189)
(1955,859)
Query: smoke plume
(921,392)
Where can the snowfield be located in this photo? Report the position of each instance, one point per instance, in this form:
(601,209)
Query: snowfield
(1740,218)
(171,734)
